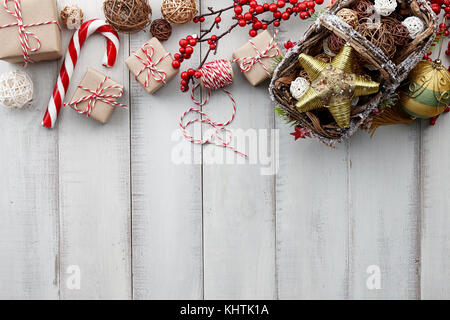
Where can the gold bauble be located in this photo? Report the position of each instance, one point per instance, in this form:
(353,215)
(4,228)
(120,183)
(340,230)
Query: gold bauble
(427,92)
(334,85)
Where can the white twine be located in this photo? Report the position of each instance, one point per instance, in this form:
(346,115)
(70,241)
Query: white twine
(16,89)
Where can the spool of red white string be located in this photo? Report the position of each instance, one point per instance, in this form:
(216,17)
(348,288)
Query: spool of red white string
(79,38)
(214,75)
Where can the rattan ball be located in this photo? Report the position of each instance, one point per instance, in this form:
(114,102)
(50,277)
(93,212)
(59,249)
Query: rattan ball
(161,29)
(179,11)
(72,17)
(299,87)
(128,16)
(16,89)
(364,9)
(335,43)
(380,37)
(349,16)
(397,30)
(415,26)
(385,7)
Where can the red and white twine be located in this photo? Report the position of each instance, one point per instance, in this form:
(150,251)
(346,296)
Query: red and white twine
(247,63)
(151,66)
(65,75)
(24,35)
(215,75)
(98,95)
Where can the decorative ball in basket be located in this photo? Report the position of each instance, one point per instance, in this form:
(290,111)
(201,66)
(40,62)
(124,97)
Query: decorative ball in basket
(375,54)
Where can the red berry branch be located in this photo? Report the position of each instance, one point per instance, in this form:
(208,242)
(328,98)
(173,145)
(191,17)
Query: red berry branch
(246,13)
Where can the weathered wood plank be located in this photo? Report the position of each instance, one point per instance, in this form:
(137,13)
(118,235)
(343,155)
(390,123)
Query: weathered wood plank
(166,189)
(312,218)
(94,180)
(29,195)
(239,204)
(435,249)
(384,213)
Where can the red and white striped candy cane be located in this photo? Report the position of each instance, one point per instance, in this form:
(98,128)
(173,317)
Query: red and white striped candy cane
(79,38)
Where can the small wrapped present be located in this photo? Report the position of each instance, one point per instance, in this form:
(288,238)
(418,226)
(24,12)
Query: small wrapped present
(97,96)
(152,66)
(38,38)
(256,58)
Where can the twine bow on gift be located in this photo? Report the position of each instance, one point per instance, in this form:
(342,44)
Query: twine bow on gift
(247,63)
(25,35)
(151,66)
(98,95)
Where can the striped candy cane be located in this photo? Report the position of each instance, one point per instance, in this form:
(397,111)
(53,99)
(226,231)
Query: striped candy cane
(79,38)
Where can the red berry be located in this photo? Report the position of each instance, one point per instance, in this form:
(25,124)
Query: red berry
(183,43)
(176,64)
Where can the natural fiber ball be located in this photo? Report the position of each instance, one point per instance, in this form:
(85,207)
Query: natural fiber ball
(364,9)
(397,30)
(161,29)
(335,43)
(415,26)
(385,7)
(179,11)
(348,16)
(380,37)
(72,17)
(299,87)
(128,16)
(16,89)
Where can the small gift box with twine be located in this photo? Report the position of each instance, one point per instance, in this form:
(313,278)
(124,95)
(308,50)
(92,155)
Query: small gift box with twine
(96,96)
(152,66)
(29,31)
(256,58)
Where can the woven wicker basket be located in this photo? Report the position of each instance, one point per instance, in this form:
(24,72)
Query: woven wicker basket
(389,73)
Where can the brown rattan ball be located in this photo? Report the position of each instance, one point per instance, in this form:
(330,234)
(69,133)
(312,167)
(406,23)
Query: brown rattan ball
(335,43)
(128,16)
(363,9)
(349,16)
(179,11)
(161,29)
(397,30)
(380,37)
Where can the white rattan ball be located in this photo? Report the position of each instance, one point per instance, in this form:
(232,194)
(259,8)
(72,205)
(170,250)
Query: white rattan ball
(415,26)
(385,7)
(299,87)
(16,89)
(72,17)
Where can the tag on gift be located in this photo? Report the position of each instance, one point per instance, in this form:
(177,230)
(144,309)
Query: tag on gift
(256,57)
(152,66)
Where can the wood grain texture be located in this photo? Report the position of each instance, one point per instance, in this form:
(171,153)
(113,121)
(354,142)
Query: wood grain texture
(312,219)
(94,183)
(166,188)
(29,195)
(239,216)
(384,212)
(435,249)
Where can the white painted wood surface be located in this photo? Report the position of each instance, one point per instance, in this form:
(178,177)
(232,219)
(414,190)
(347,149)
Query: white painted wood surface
(121,203)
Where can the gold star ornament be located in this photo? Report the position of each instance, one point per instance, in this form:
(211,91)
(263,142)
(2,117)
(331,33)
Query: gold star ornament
(334,85)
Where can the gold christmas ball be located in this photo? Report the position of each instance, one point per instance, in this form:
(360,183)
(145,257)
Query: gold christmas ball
(427,92)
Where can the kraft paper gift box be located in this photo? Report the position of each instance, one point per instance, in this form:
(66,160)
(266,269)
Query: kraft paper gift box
(49,35)
(140,72)
(102,111)
(257,74)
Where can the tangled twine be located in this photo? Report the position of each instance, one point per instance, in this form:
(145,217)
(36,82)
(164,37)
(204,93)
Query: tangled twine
(179,11)
(349,16)
(16,89)
(128,16)
(161,29)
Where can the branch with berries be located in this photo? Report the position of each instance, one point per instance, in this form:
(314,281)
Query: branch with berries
(247,13)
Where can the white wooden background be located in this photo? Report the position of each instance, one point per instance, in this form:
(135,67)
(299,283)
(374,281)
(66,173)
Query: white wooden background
(111,200)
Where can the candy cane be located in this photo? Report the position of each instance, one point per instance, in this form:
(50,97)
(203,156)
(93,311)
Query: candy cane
(79,38)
